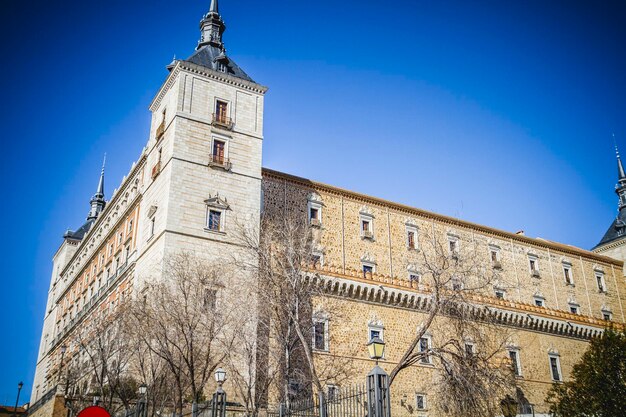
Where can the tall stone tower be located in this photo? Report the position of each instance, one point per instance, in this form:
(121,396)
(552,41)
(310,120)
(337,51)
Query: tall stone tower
(613,242)
(204,152)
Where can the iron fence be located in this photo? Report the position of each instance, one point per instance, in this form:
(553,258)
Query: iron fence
(338,402)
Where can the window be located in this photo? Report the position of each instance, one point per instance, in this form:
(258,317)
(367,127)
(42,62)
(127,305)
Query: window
(424,346)
(219,152)
(573,308)
(453,246)
(606,315)
(367,228)
(500,294)
(375,330)
(120,237)
(600,282)
(320,334)
(130,226)
(221,112)
(410,239)
(494,255)
(315,214)
(152,227)
(457,285)
(515,362)
(420,401)
(367,270)
(414,278)
(127,253)
(555,367)
(539,302)
(214,220)
(210,298)
(533,265)
(317,258)
(469,349)
(567,274)
(332,392)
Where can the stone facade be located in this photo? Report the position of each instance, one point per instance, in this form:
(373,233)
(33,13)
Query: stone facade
(162,207)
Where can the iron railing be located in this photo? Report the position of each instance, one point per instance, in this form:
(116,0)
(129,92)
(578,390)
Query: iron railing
(222,120)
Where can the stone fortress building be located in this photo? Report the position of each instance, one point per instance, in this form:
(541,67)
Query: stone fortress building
(201,170)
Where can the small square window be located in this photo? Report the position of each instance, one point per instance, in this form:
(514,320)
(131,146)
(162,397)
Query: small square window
(500,294)
(494,255)
(414,278)
(573,309)
(606,316)
(539,302)
(368,270)
(313,213)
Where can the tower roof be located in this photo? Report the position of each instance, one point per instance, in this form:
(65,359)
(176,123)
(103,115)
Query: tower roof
(97,203)
(617,230)
(210,52)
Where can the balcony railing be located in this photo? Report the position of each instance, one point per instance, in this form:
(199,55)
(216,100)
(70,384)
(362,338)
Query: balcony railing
(220,161)
(222,121)
(156,169)
(160,131)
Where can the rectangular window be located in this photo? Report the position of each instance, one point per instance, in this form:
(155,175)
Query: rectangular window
(414,278)
(130,226)
(218,156)
(515,362)
(313,213)
(469,349)
(457,285)
(420,401)
(319,335)
(333,392)
(424,345)
(573,309)
(221,112)
(453,247)
(500,294)
(152,227)
(375,333)
(606,316)
(367,270)
(410,237)
(600,282)
(367,229)
(539,302)
(215,220)
(555,368)
(567,274)
(494,256)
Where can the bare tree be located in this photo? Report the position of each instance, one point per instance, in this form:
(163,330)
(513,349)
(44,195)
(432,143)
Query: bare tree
(100,363)
(282,255)
(469,348)
(178,319)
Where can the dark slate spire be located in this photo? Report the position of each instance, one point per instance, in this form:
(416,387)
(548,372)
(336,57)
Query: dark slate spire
(212,27)
(210,52)
(617,230)
(97,201)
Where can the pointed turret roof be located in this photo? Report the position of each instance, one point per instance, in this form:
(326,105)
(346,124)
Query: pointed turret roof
(97,203)
(210,52)
(617,230)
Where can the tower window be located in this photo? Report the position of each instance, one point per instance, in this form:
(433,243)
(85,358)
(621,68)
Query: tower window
(567,274)
(600,282)
(219,148)
(214,221)
(410,239)
(555,368)
(424,346)
(368,270)
(539,302)
(420,401)
(221,112)
(320,334)
(515,362)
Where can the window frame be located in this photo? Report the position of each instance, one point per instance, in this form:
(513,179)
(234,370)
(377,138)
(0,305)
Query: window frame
(540,300)
(568,274)
(411,229)
(220,225)
(363,217)
(428,359)
(517,363)
(423,397)
(317,220)
(534,259)
(325,322)
(557,359)
(600,280)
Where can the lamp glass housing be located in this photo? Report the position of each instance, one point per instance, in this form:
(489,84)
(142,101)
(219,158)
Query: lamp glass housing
(220,375)
(63,349)
(143,388)
(376,348)
(20,385)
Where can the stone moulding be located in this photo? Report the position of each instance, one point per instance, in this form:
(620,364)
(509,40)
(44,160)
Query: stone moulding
(504,312)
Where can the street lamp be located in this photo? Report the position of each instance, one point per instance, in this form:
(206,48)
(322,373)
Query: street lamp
(378,396)
(17,400)
(218,408)
(96,400)
(376,348)
(143,401)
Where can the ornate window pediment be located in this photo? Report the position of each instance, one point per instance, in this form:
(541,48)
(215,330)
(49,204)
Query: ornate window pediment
(217,202)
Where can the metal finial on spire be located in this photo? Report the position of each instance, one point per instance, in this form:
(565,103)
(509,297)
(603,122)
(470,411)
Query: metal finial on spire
(621,173)
(214,7)
(98,202)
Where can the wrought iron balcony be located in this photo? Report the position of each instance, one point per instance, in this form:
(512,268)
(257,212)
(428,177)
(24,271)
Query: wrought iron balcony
(220,161)
(222,121)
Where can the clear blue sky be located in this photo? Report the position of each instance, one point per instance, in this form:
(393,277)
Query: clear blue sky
(496,112)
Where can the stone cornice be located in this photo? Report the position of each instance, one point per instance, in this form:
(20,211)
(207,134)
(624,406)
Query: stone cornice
(112,207)
(546,244)
(610,245)
(501,312)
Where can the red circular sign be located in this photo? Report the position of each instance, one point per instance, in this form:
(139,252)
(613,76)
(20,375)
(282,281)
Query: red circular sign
(94,411)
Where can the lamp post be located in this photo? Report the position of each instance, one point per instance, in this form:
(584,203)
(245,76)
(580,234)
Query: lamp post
(17,400)
(378,396)
(143,401)
(218,408)
(96,400)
